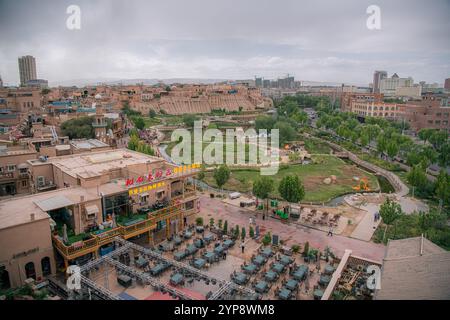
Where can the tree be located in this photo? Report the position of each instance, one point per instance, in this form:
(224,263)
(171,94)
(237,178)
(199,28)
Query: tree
(392,149)
(438,138)
(286,132)
(243,234)
(211,222)
(267,239)
(152,113)
(78,128)
(444,155)
(236,231)
(295,248)
(425,134)
(264,122)
(417,177)
(138,122)
(221,175)
(189,119)
(262,188)
(306,249)
(225,227)
(390,211)
(199,221)
(291,189)
(251,232)
(220,223)
(442,187)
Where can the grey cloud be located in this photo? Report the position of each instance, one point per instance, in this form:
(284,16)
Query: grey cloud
(314,40)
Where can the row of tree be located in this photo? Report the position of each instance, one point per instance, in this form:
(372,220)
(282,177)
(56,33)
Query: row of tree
(290,188)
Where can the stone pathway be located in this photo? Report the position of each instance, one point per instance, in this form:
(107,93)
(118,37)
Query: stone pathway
(291,233)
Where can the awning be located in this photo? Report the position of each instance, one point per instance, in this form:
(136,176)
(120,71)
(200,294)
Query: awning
(22,166)
(93,209)
(145,194)
(54,203)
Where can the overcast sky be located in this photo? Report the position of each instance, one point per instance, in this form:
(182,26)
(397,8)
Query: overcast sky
(234,39)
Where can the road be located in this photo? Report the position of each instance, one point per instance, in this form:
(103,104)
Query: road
(291,233)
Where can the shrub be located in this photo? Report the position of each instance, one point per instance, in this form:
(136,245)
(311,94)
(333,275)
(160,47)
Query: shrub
(199,221)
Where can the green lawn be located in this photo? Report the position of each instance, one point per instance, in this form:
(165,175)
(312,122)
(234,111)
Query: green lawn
(312,176)
(314,147)
(408,226)
(149,122)
(171,145)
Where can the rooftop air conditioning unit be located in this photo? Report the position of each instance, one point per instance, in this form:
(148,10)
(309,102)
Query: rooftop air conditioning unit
(41,181)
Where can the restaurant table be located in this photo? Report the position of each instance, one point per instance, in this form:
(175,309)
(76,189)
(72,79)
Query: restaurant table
(285,260)
(291,284)
(278,267)
(124,280)
(187,235)
(176,279)
(284,294)
(318,294)
(259,260)
(228,243)
(141,262)
(250,268)
(300,273)
(209,256)
(267,252)
(329,269)
(199,263)
(324,279)
(160,267)
(219,250)
(209,238)
(191,249)
(240,278)
(270,276)
(177,240)
(261,287)
(179,256)
(199,243)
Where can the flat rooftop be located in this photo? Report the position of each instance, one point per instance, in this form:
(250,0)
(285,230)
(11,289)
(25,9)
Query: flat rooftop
(88,144)
(16,211)
(94,164)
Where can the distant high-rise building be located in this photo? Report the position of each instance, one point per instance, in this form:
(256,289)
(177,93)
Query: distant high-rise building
(27,69)
(1,82)
(388,86)
(447,84)
(377,77)
(258,82)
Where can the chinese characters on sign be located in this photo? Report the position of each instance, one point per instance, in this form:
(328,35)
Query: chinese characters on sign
(146,188)
(155,176)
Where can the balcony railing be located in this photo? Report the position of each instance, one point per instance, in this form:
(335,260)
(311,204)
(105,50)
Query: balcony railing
(83,247)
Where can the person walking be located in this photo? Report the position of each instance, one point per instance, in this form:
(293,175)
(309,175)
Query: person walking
(242,247)
(330,232)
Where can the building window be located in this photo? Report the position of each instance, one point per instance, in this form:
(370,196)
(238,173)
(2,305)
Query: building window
(24,183)
(30,271)
(46,266)
(11,168)
(4,278)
